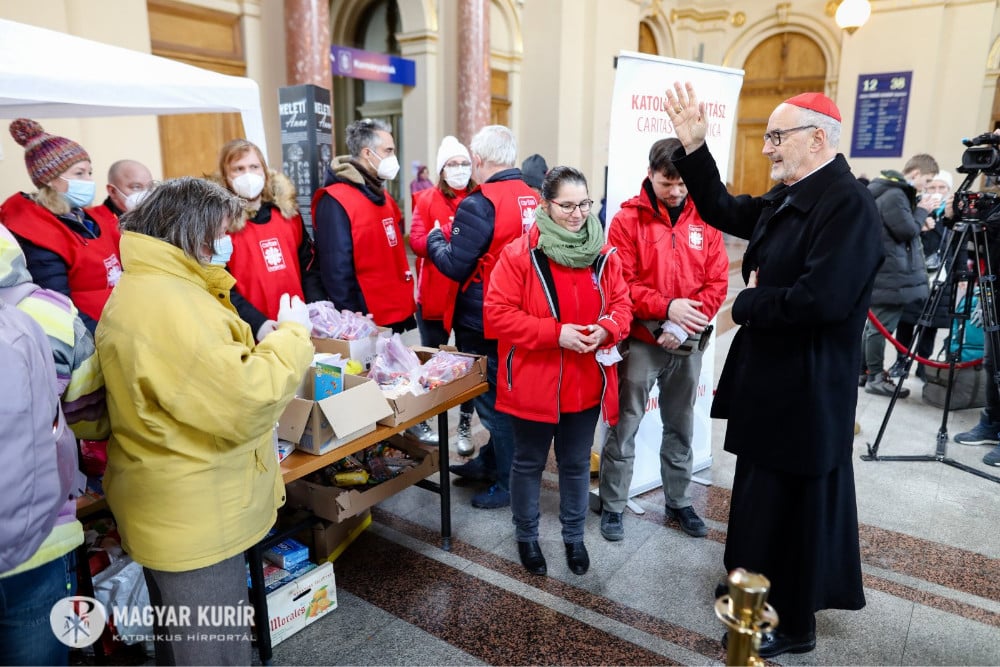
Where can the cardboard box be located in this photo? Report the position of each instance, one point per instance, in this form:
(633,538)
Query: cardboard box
(338,504)
(330,539)
(301,602)
(362,350)
(408,406)
(317,427)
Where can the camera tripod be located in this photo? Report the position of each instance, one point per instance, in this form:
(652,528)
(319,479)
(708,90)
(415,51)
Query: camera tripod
(964,233)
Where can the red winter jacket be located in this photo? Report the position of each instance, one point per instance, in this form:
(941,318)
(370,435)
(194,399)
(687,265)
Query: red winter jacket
(537,379)
(433,287)
(661,262)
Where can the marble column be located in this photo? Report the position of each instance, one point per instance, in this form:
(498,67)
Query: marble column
(307,42)
(473,67)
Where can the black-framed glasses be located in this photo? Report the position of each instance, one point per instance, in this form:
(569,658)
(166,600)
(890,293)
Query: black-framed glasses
(777,136)
(568,208)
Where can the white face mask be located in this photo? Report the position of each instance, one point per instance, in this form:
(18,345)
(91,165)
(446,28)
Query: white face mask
(248,185)
(457,177)
(135,199)
(387,168)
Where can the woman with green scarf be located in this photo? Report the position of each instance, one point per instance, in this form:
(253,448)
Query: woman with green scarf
(559,305)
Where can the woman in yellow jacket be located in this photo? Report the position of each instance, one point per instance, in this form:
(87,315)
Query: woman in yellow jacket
(192,477)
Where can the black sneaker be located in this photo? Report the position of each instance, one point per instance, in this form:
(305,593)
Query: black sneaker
(475,470)
(690,522)
(898,369)
(612,528)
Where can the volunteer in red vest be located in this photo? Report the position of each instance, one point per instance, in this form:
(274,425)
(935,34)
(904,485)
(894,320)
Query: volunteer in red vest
(359,238)
(129,182)
(435,207)
(66,249)
(272,253)
(497,212)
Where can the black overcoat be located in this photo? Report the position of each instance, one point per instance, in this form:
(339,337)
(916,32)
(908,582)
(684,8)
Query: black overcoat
(789,385)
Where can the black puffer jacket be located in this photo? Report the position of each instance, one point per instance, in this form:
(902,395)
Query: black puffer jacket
(902,279)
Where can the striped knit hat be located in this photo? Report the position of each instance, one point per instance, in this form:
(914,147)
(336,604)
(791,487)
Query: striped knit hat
(46,155)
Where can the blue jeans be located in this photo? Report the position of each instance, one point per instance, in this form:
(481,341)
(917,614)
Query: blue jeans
(26,638)
(498,456)
(574,434)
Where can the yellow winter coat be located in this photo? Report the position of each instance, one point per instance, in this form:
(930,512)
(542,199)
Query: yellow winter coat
(192,478)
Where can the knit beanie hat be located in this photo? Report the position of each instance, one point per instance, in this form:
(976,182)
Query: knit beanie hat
(533,170)
(46,155)
(450,147)
(945,177)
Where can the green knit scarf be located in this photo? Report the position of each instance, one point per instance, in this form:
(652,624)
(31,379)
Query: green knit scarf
(572,249)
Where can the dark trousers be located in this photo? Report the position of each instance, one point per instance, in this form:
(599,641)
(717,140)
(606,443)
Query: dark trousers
(573,436)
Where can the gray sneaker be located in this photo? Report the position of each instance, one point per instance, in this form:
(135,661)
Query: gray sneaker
(881,385)
(992,457)
(612,528)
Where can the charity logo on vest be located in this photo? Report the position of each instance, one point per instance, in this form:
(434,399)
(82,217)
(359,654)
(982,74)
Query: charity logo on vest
(390,231)
(113,268)
(528,206)
(274,259)
(77,621)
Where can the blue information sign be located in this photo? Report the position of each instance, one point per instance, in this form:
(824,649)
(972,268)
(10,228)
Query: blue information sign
(880,114)
(358,64)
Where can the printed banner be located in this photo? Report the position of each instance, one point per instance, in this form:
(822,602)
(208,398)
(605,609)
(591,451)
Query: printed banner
(638,119)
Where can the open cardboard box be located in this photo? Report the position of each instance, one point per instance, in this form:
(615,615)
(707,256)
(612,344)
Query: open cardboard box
(408,406)
(336,503)
(361,350)
(317,427)
(301,602)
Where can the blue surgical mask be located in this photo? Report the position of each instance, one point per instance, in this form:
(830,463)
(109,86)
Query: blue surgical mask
(222,251)
(80,193)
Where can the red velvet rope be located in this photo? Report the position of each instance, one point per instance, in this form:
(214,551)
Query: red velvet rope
(902,348)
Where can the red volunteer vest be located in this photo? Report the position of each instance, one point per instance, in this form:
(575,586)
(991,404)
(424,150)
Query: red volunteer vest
(104,216)
(433,287)
(514,205)
(379,256)
(94,265)
(265,261)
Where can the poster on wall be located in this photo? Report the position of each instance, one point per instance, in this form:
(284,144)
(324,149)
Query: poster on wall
(638,119)
(306,141)
(880,114)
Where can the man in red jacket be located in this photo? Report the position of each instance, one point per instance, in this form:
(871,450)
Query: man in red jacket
(678,275)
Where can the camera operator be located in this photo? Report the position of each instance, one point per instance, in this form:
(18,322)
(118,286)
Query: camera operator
(987,431)
(937,198)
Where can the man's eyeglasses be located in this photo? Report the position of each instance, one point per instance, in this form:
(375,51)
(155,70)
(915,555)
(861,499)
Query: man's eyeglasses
(777,136)
(568,208)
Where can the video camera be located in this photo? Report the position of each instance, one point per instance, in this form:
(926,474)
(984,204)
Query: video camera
(982,155)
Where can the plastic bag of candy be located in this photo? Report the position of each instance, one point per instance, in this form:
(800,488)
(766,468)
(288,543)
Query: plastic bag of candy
(443,367)
(396,366)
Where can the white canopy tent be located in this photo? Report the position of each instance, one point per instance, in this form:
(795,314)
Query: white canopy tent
(49,74)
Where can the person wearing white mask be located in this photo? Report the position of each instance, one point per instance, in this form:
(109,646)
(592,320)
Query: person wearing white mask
(435,207)
(129,182)
(359,239)
(67,249)
(271,252)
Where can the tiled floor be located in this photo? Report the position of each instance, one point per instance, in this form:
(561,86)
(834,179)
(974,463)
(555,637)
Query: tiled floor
(930,539)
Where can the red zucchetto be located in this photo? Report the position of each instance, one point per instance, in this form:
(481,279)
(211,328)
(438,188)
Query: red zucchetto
(815,102)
